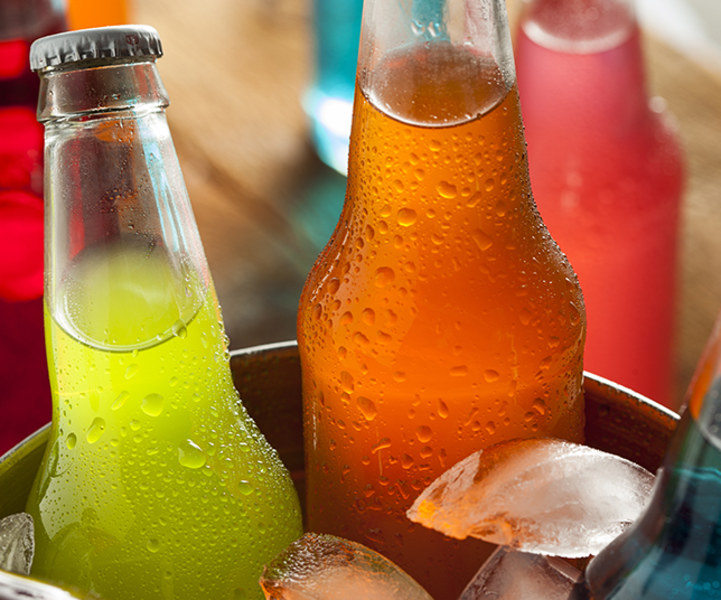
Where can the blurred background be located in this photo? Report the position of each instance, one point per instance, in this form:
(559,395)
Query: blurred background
(237,74)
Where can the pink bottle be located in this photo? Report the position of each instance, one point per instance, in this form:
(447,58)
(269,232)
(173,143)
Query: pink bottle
(607,176)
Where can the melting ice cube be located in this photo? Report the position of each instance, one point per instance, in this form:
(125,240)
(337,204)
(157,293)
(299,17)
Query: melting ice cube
(17,587)
(511,575)
(544,496)
(17,543)
(325,567)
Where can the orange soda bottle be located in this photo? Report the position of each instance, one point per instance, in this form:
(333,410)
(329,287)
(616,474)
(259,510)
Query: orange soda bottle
(441,317)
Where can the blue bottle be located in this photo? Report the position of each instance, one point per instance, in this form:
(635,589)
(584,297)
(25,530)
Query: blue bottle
(329,101)
(673,551)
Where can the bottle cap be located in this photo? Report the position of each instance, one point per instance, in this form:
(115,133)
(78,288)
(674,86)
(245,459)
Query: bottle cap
(101,43)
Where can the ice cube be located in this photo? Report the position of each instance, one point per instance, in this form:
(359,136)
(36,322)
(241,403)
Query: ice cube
(544,496)
(325,567)
(17,587)
(17,543)
(512,575)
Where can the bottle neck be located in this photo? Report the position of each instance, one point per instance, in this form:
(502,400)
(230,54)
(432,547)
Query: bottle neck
(77,93)
(113,184)
(583,70)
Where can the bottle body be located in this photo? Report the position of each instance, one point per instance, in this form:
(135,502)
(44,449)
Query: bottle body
(674,549)
(23,365)
(155,482)
(607,175)
(441,317)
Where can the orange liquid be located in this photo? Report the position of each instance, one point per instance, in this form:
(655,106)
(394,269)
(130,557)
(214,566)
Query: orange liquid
(441,318)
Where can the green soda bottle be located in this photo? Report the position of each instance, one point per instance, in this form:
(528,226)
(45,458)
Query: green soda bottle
(156,483)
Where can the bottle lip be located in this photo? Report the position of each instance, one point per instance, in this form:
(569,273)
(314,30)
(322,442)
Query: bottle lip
(100,43)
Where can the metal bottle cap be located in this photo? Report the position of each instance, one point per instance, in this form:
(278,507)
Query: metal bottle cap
(101,43)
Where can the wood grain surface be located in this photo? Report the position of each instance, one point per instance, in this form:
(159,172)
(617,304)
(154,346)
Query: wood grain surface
(236,71)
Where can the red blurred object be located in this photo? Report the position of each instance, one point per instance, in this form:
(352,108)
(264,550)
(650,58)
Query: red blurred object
(607,176)
(24,388)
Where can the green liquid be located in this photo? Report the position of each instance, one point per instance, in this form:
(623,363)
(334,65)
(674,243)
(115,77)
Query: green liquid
(155,483)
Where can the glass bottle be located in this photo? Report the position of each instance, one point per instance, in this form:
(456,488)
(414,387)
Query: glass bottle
(441,317)
(607,175)
(155,483)
(25,400)
(673,551)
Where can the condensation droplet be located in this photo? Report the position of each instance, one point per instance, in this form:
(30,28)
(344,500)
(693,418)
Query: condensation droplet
(96,430)
(346,382)
(191,455)
(367,407)
(407,461)
(382,445)
(407,217)
(539,406)
(447,190)
(482,240)
(442,409)
(424,433)
(131,370)
(474,200)
(459,371)
(152,405)
(153,545)
(71,440)
(369,316)
(346,318)
(180,330)
(360,339)
(120,400)
(245,487)
(384,276)
(491,376)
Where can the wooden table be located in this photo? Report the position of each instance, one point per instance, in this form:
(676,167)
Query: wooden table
(265,205)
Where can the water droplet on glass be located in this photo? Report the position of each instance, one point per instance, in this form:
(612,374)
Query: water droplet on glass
(346,382)
(245,487)
(447,190)
(153,545)
(491,376)
(367,407)
(152,405)
(369,316)
(71,440)
(482,240)
(407,217)
(131,370)
(180,330)
(424,433)
(442,409)
(459,371)
(384,276)
(191,455)
(95,431)
(120,400)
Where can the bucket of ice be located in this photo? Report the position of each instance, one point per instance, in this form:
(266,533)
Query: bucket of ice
(267,377)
